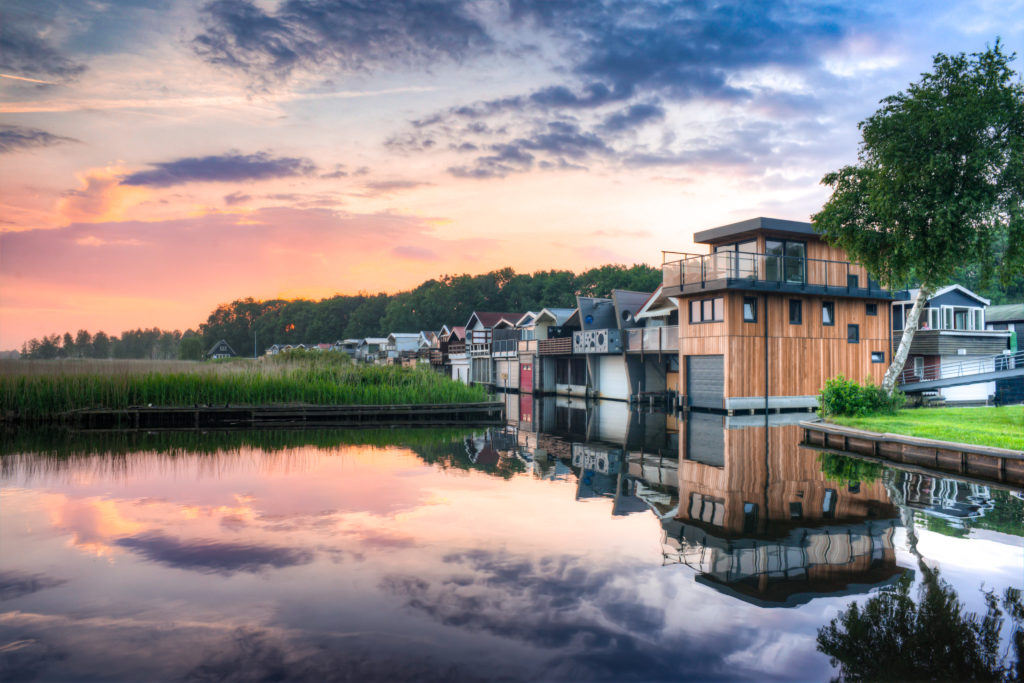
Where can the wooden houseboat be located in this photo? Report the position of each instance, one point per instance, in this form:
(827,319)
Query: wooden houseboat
(770,314)
(601,340)
(457,355)
(951,340)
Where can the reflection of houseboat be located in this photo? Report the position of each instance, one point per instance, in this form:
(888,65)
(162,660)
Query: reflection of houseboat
(760,521)
(954,501)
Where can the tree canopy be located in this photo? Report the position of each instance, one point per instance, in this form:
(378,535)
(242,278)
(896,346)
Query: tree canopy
(939,181)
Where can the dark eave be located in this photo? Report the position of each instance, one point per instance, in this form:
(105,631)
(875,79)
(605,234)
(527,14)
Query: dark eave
(736,230)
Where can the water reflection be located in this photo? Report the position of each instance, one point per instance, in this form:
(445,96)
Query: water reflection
(577,542)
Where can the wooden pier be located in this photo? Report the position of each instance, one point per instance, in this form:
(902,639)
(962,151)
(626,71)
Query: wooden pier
(287,416)
(966,460)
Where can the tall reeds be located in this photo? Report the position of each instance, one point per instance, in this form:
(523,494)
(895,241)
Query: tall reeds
(317,379)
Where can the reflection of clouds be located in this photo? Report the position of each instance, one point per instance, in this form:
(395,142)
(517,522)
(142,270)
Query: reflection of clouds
(92,522)
(14,584)
(560,603)
(121,649)
(213,557)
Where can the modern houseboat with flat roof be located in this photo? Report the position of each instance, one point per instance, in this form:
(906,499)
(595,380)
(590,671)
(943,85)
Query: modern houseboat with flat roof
(770,314)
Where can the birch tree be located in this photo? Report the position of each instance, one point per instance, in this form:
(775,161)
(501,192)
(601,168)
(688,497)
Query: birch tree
(939,183)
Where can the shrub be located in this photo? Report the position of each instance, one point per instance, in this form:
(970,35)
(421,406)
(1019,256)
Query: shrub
(843,396)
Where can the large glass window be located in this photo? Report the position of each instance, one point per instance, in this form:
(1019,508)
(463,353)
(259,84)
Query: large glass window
(785,261)
(828,313)
(853,334)
(742,262)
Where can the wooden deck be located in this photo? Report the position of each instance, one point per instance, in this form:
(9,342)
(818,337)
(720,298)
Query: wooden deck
(990,465)
(288,416)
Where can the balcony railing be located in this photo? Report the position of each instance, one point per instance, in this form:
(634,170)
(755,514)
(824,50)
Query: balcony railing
(561,346)
(527,346)
(456,347)
(653,339)
(767,271)
(436,357)
(504,346)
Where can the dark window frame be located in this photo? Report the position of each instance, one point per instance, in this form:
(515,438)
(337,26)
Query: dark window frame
(878,356)
(711,304)
(853,333)
(831,307)
(752,300)
(798,319)
(871,309)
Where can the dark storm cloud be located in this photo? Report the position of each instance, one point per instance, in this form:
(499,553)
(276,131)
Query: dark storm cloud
(626,63)
(687,49)
(340,34)
(25,49)
(633,117)
(220,168)
(15,584)
(213,557)
(13,138)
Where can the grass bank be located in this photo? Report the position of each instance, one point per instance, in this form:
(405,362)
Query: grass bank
(38,390)
(1001,427)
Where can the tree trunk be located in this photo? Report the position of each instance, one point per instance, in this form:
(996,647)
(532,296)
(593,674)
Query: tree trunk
(899,359)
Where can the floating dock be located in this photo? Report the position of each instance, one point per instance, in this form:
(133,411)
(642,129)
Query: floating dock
(290,416)
(1000,465)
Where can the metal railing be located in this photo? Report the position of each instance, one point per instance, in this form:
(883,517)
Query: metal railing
(654,339)
(977,366)
(784,270)
(505,346)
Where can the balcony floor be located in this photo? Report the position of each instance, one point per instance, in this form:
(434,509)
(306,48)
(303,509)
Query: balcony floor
(747,284)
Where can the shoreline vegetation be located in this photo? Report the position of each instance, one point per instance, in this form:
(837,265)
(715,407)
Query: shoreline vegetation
(43,391)
(996,427)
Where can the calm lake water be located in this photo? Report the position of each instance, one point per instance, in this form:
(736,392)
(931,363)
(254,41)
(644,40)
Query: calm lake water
(574,544)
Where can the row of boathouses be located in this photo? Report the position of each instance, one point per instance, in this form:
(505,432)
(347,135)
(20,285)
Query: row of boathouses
(757,323)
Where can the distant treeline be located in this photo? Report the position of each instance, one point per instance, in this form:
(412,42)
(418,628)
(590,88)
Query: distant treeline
(250,325)
(448,300)
(152,344)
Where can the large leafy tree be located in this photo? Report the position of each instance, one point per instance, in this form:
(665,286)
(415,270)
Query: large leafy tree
(939,183)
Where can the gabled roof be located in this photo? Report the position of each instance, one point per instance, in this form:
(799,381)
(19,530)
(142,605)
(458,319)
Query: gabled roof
(558,316)
(529,318)
(911,294)
(403,335)
(459,332)
(1004,313)
(657,305)
(489,319)
(428,335)
(225,343)
(373,340)
(596,313)
(627,305)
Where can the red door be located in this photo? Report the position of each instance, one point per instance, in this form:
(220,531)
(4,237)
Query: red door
(526,378)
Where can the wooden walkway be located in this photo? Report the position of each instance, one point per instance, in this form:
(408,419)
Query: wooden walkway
(264,417)
(987,464)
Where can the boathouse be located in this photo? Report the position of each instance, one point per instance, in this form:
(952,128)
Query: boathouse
(951,340)
(221,350)
(769,314)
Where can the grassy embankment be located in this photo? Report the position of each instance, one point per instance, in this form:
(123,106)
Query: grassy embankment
(1001,427)
(36,390)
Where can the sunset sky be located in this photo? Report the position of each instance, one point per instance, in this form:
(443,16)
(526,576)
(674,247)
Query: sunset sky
(158,157)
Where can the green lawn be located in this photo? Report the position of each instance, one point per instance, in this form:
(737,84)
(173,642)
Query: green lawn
(1001,427)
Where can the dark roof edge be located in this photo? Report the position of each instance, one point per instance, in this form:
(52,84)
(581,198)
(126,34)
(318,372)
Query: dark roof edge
(759,223)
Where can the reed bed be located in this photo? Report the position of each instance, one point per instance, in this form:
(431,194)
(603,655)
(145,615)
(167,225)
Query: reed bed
(316,379)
